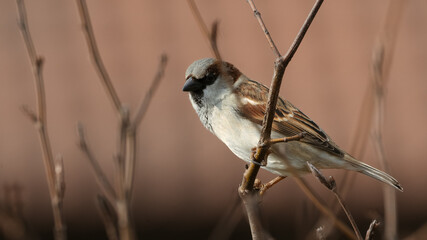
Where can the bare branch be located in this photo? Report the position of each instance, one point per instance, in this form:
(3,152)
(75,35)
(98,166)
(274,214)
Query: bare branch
(280,66)
(332,186)
(56,189)
(100,176)
(370,233)
(210,36)
(381,65)
(264,29)
(250,202)
(96,57)
(31,115)
(150,93)
(109,217)
(60,176)
(323,208)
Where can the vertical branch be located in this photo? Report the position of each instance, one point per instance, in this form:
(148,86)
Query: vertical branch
(54,179)
(280,66)
(381,65)
(383,51)
(126,158)
(131,131)
(247,186)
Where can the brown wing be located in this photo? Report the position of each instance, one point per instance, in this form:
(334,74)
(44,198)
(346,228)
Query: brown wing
(288,119)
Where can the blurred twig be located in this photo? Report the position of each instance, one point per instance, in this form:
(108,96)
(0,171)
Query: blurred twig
(374,224)
(99,174)
(225,226)
(126,158)
(55,179)
(382,56)
(210,36)
(332,186)
(96,57)
(109,217)
(323,208)
(381,66)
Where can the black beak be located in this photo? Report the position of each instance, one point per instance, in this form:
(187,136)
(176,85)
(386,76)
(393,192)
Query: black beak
(193,85)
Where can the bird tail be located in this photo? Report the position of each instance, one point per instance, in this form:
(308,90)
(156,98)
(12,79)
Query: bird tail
(372,172)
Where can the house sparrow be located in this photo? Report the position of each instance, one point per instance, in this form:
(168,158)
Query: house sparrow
(232,107)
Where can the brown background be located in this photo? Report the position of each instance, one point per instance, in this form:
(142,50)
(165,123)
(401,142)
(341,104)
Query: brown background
(185,177)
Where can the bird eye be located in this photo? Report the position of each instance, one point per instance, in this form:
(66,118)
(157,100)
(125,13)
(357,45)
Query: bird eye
(209,78)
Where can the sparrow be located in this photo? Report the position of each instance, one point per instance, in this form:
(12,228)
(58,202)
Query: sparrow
(232,107)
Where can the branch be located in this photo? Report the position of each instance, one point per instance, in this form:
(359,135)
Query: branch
(381,66)
(142,109)
(210,36)
(109,217)
(250,202)
(55,181)
(280,67)
(382,49)
(100,176)
(374,224)
(96,57)
(332,186)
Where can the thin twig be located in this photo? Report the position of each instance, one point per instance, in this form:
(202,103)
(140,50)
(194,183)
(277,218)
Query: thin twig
(96,57)
(56,189)
(229,220)
(130,160)
(374,225)
(210,36)
(323,208)
(142,109)
(383,49)
(381,66)
(109,217)
(264,29)
(332,186)
(100,176)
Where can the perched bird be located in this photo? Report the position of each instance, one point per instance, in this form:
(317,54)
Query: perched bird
(232,107)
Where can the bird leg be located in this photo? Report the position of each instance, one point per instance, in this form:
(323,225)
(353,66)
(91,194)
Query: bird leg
(263,187)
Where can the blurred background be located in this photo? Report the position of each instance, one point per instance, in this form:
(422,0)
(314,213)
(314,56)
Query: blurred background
(185,178)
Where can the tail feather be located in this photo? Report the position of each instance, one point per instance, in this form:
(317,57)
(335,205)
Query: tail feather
(373,172)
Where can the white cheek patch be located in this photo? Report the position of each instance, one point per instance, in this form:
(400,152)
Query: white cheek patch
(216,92)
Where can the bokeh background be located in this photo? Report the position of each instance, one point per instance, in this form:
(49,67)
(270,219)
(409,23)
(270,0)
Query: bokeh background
(185,177)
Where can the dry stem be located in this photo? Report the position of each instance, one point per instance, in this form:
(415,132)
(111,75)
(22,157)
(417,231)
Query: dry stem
(96,57)
(101,178)
(383,51)
(126,158)
(280,67)
(374,224)
(246,188)
(54,178)
(210,36)
(332,186)
(381,66)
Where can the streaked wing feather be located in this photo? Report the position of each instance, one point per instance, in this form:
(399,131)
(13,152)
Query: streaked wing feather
(288,119)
